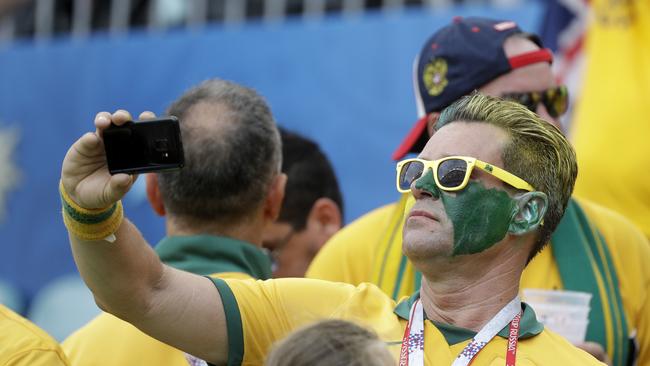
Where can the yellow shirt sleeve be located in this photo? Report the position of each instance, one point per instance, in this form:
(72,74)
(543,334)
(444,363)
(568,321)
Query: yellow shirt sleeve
(259,313)
(25,344)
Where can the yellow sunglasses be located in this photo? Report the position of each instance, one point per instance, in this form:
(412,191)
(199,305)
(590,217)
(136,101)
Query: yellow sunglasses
(452,173)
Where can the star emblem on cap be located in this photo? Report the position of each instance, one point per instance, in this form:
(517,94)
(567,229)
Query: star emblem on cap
(435,76)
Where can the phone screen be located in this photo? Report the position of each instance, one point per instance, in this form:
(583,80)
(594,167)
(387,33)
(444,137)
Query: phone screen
(146,146)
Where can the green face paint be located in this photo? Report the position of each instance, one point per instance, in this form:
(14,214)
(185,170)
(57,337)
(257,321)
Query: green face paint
(481,216)
(427,183)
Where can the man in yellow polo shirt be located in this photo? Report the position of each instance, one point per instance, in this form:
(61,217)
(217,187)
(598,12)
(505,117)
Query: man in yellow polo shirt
(593,250)
(482,205)
(24,344)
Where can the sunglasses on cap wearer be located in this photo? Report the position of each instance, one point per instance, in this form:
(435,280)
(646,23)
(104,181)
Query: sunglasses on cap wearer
(556,100)
(452,173)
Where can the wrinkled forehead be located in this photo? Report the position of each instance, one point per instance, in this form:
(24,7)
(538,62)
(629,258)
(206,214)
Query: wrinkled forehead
(480,140)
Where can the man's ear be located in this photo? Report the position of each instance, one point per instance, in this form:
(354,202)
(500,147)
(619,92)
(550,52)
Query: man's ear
(324,219)
(531,208)
(432,120)
(153,194)
(274,197)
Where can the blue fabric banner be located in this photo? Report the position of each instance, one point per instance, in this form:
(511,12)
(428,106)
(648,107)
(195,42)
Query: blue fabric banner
(345,82)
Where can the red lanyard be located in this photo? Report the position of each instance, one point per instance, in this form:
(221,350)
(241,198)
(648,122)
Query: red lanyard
(513,341)
(404,351)
(412,351)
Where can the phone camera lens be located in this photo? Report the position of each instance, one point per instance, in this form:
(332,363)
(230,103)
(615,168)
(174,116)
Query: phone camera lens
(161,145)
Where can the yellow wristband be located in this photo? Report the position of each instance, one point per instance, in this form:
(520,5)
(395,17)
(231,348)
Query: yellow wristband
(90,224)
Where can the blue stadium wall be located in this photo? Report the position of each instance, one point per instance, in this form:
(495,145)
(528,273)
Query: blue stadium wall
(345,82)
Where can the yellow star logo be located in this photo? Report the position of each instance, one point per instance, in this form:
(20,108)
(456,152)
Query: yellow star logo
(435,76)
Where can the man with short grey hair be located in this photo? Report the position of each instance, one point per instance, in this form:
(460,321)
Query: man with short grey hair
(216,209)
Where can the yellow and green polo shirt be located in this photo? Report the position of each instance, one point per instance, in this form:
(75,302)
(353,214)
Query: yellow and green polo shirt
(107,340)
(24,344)
(259,313)
(593,249)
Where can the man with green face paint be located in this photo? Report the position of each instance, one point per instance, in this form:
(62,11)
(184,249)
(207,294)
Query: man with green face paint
(594,250)
(481,216)
(467,310)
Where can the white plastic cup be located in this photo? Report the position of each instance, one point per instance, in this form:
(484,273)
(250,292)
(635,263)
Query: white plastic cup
(564,312)
(559,297)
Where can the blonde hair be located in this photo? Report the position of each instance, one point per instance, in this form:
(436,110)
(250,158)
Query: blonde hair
(330,343)
(537,151)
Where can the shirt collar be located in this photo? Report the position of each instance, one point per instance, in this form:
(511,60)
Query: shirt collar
(209,254)
(528,325)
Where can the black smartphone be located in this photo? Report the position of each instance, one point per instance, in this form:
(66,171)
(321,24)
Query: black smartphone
(144,146)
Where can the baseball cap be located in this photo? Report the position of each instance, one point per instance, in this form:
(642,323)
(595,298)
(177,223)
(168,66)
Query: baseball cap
(456,60)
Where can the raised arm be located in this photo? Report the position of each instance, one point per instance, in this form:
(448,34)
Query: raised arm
(125,275)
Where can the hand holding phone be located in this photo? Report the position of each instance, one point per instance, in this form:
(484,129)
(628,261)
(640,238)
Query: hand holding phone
(144,146)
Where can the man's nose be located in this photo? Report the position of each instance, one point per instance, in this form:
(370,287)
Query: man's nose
(425,186)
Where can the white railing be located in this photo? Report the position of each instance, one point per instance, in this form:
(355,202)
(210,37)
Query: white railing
(195,13)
